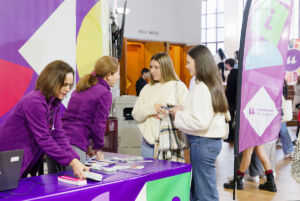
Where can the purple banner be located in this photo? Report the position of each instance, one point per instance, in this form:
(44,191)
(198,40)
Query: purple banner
(265,53)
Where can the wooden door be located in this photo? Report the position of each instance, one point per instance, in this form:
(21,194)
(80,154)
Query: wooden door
(135,64)
(177,56)
(123,68)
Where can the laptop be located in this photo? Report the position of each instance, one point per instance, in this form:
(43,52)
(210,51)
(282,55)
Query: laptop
(10,167)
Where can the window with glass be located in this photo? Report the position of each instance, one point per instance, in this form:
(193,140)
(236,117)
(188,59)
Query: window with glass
(213,24)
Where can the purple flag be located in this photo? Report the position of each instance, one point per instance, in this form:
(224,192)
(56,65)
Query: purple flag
(264,54)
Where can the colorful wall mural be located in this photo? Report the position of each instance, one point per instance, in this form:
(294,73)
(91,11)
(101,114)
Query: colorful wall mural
(34,33)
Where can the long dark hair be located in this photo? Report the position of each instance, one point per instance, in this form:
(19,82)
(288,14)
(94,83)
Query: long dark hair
(207,72)
(52,78)
(221,54)
(285,89)
(298,80)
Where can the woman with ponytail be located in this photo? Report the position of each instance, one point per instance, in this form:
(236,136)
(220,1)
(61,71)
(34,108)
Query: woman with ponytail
(84,121)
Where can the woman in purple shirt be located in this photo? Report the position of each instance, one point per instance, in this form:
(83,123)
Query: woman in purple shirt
(84,121)
(35,124)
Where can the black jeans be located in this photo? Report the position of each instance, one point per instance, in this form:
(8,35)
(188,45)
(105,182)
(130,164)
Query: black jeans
(231,123)
(37,168)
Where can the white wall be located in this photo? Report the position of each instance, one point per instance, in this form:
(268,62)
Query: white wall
(232,26)
(180,21)
(163,20)
(294,31)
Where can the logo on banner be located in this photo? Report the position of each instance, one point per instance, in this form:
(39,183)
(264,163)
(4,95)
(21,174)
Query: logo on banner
(270,18)
(260,111)
(293,60)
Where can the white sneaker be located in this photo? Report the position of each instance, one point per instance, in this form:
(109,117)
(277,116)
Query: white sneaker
(290,155)
(253,179)
(231,178)
(265,177)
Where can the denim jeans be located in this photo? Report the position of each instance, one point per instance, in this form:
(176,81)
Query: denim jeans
(203,154)
(147,149)
(287,144)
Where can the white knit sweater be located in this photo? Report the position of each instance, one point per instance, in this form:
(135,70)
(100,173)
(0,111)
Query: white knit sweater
(172,92)
(198,117)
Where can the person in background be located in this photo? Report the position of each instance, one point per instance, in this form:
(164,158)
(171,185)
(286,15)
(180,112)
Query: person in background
(255,168)
(35,123)
(236,58)
(84,121)
(231,91)
(203,118)
(284,134)
(296,102)
(269,185)
(164,88)
(142,81)
(219,59)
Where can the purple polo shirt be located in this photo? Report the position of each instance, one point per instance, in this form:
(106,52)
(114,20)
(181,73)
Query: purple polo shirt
(86,116)
(28,127)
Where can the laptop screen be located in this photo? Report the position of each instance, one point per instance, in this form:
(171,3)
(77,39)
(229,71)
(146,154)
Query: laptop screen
(10,167)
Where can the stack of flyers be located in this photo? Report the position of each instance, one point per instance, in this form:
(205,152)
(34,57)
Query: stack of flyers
(123,167)
(124,160)
(106,170)
(72,180)
(143,161)
(103,163)
(137,167)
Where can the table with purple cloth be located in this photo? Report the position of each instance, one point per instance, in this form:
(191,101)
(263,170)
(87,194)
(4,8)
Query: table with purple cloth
(157,181)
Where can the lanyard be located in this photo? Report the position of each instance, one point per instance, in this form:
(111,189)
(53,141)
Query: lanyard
(51,119)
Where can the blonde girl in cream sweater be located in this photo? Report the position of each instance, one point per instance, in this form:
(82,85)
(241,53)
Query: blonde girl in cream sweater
(164,88)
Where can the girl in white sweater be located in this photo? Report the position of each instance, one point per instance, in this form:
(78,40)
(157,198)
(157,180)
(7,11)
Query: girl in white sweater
(164,88)
(202,118)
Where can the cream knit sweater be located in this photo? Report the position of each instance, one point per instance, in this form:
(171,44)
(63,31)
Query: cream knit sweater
(198,117)
(172,92)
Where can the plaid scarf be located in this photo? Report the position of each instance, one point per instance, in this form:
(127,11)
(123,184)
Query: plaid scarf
(170,143)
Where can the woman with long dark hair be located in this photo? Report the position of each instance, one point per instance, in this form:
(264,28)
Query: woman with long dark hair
(220,59)
(202,118)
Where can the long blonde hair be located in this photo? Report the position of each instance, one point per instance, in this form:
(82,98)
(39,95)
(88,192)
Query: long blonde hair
(166,68)
(103,66)
(207,72)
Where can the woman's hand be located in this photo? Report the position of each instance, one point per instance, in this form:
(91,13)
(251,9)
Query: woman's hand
(159,109)
(78,168)
(90,152)
(99,155)
(175,109)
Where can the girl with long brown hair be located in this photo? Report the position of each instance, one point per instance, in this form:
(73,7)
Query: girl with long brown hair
(202,118)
